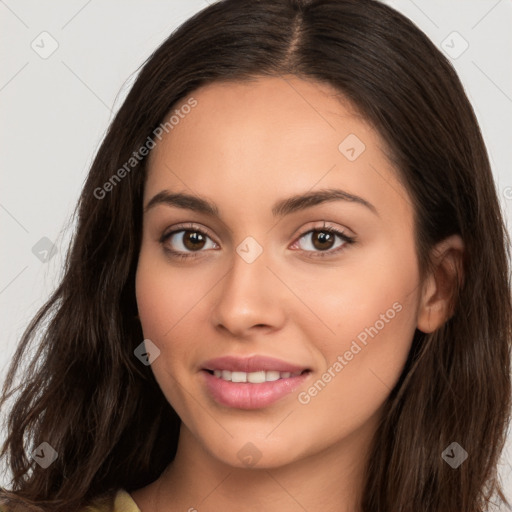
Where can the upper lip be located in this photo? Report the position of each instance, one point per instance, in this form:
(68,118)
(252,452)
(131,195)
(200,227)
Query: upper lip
(251,364)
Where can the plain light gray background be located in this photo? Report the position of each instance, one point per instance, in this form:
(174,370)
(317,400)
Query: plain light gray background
(55,108)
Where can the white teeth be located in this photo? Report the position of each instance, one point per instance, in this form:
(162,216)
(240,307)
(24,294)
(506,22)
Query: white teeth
(238,377)
(254,377)
(272,375)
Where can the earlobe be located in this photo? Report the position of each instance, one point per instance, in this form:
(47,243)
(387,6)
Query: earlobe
(439,288)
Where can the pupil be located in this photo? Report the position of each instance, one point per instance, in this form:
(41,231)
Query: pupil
(323,237)
(194,240)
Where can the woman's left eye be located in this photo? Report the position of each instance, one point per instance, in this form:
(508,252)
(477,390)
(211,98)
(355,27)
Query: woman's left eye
(191,240)
(322,241)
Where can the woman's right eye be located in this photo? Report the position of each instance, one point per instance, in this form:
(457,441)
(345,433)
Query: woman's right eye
(185,242)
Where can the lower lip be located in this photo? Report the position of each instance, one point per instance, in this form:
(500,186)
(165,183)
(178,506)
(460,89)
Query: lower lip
(246,395)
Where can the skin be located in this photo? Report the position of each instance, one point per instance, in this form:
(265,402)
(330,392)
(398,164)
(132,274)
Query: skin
(244,147)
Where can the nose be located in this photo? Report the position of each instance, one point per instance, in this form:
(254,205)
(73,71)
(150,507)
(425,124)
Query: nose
(250,298)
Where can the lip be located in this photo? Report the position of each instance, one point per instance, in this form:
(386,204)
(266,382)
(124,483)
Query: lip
(246,395)
(251,364)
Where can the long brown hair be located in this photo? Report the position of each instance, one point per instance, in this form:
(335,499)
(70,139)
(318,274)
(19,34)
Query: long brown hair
(86,395)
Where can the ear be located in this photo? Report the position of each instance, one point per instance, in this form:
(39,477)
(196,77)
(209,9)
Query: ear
(438,291)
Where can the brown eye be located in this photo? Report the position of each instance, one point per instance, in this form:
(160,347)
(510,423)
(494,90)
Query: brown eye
(323,240)
(184,242)
(193,240)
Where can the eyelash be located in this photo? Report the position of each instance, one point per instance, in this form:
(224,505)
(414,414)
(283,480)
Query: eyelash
(318,254)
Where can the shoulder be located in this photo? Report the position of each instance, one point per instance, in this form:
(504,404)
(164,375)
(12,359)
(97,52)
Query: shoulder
(116,501)
(123,502)
(120,501)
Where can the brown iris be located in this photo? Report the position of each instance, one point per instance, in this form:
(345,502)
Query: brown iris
(322,239)
(193,240)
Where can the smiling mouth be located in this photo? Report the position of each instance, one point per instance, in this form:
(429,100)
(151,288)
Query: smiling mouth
(252,390)
(257,377)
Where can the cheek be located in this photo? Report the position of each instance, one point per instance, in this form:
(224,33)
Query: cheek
(376,288)
(370,310)
(164,295)
(170,300)
(361,365)
(163,301)
(156,307)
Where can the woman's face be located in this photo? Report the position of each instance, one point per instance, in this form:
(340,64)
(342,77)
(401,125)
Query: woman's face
(279,162)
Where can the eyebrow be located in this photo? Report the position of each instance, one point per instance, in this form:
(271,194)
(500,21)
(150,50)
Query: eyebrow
(280,209)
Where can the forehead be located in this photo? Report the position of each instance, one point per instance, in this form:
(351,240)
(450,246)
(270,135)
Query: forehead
(296,111)
(271,137)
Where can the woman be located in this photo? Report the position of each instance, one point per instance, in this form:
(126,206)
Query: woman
(289,284)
